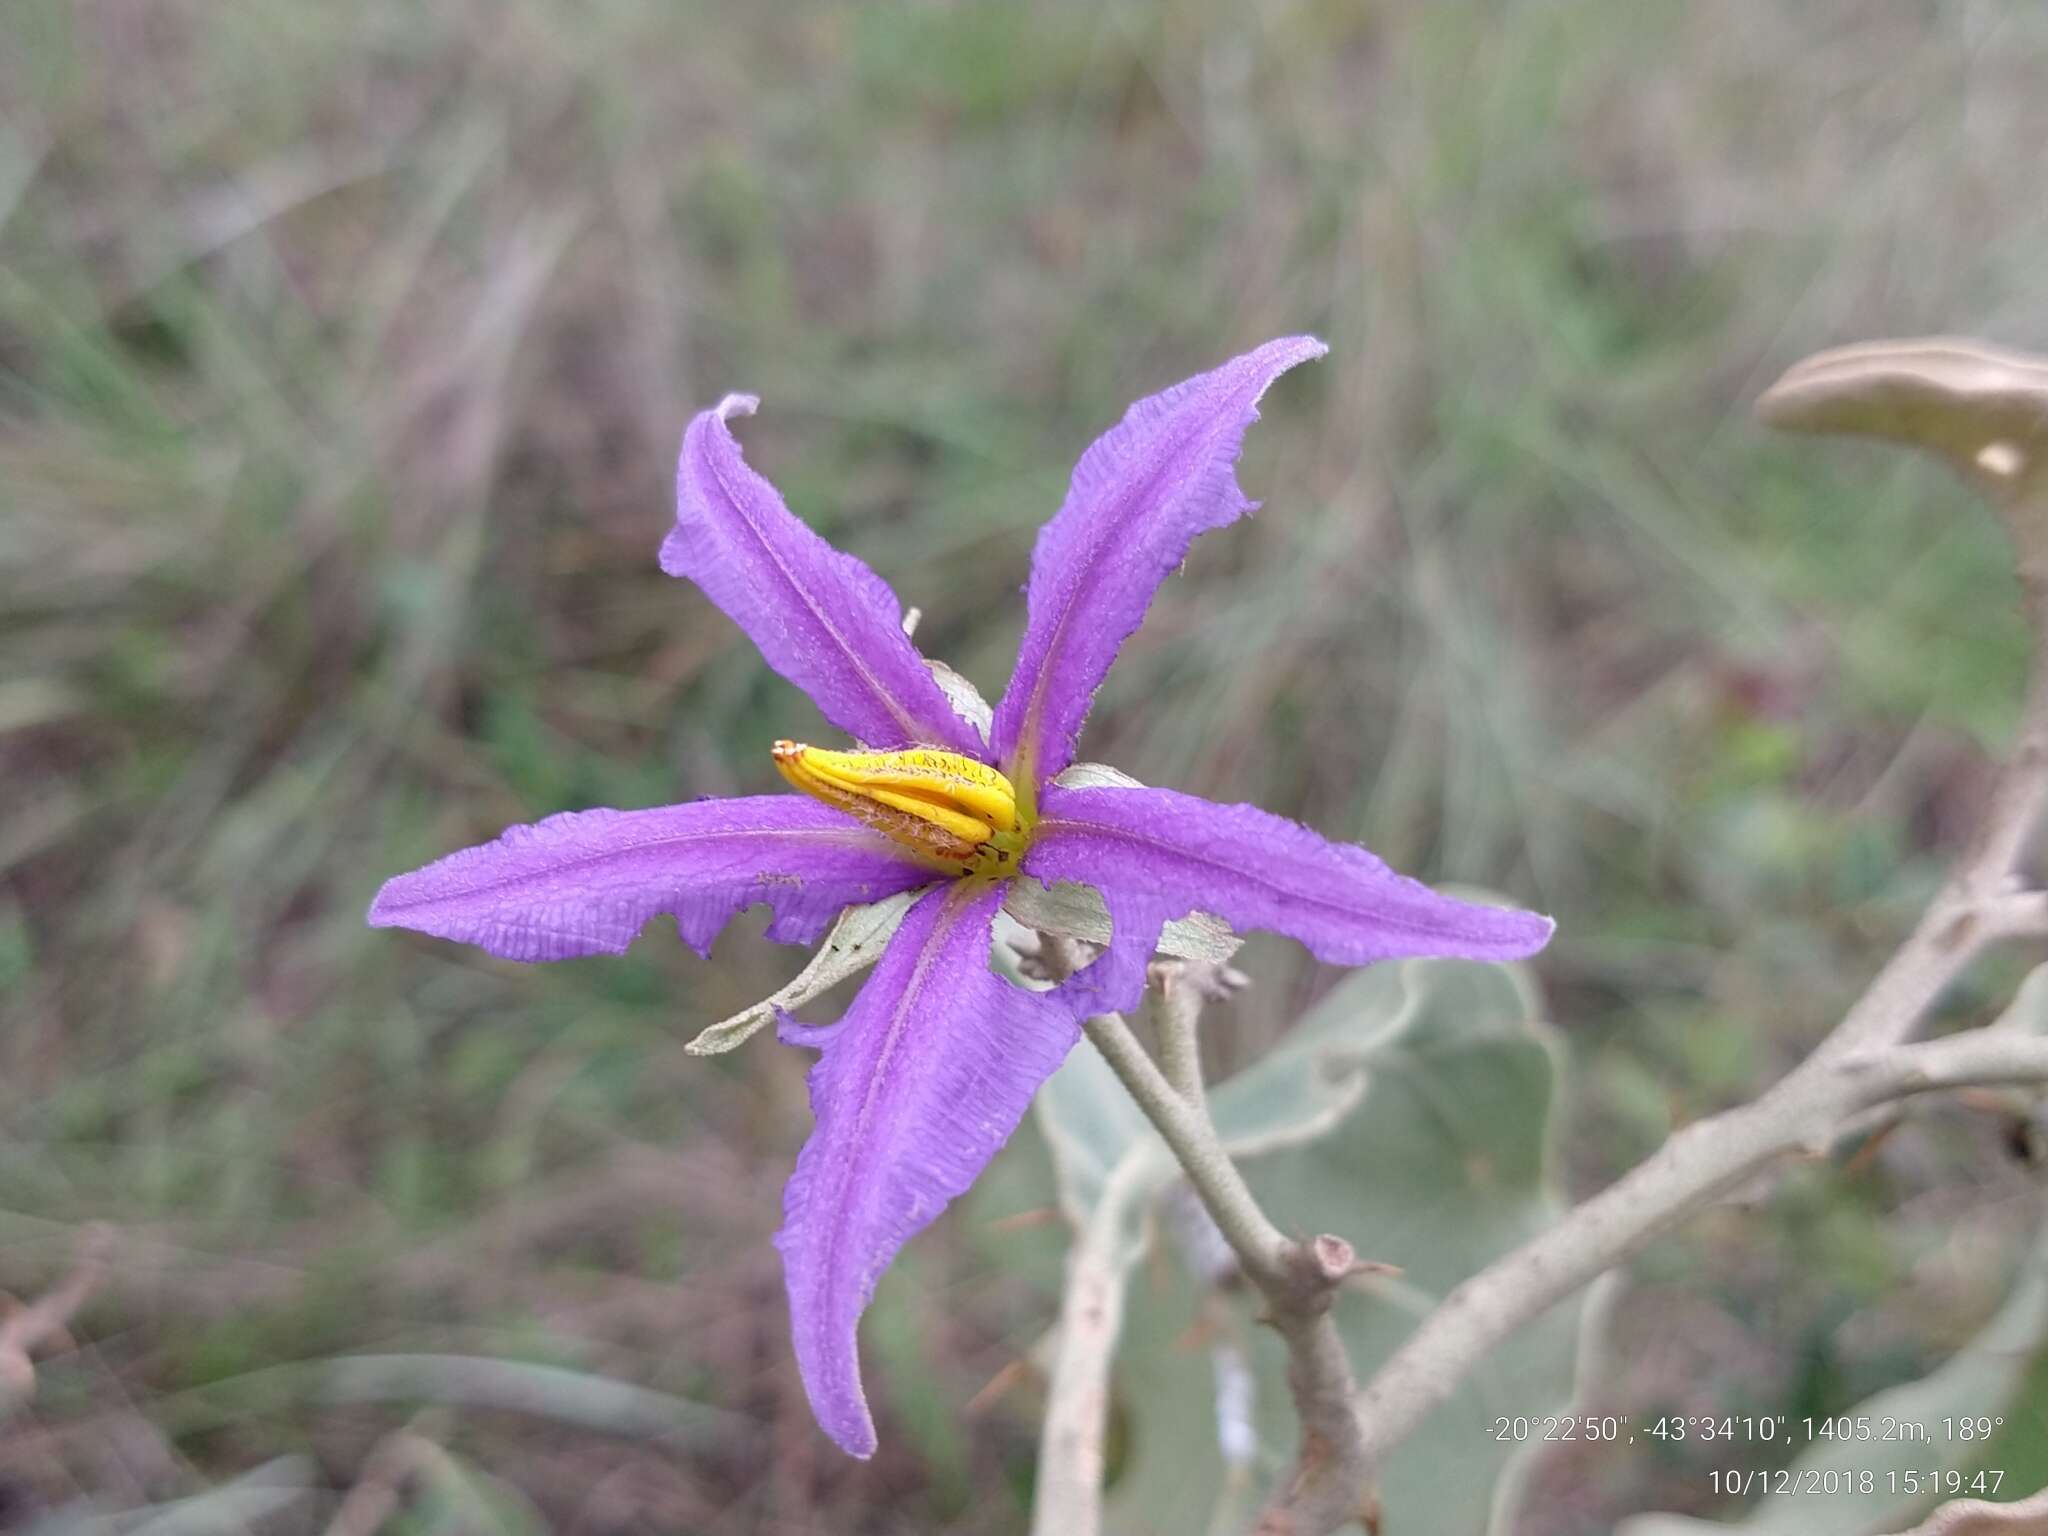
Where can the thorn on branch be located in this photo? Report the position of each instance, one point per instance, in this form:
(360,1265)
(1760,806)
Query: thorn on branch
(1335,1259)
(1210,981)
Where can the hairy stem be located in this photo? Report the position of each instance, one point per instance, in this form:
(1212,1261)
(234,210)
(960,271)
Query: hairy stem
(1175,1007)
(1327,1488)
(1185,1128)
(1068,1499)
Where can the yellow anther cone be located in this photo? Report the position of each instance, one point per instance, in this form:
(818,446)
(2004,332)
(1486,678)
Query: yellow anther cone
(949,807)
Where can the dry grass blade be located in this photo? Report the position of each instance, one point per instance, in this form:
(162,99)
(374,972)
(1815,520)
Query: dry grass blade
(405,1459)
(25,1330)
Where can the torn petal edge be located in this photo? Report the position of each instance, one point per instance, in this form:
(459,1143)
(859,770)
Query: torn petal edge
(1075,911)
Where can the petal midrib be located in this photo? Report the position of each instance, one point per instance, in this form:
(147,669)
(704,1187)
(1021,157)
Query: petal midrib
(954,908)
(1025,748)
(1234,872)
(911,731)
(853,837)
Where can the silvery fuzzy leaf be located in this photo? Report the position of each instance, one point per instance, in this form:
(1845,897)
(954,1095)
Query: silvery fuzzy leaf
(1095,1128)
(854,944)
(1438,1168)
(2027,1013)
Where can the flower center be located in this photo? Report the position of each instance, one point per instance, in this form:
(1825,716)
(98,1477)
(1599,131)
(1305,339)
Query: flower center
(952,809)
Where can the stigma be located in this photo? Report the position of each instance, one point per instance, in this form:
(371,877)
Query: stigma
(955,811)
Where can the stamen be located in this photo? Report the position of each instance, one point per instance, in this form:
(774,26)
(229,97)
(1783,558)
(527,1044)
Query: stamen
(948,807)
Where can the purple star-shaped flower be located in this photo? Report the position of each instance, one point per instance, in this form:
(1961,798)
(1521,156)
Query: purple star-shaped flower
(936,1061)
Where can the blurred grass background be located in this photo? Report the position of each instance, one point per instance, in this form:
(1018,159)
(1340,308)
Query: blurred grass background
(343,353)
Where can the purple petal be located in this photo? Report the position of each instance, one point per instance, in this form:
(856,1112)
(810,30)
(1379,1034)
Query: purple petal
(819,617)
(919,1085)
(1139,496)
(1257,870)
(586,882)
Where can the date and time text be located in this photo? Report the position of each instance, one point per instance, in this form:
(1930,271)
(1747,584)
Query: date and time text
(1898,1477)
